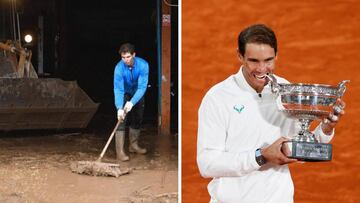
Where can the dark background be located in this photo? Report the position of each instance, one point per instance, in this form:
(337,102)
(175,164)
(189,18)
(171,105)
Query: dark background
(81,42)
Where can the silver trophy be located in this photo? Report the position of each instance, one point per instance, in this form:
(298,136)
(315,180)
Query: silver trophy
(306,102)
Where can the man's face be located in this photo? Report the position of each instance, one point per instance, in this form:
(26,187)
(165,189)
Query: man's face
(128,58)
(258,60)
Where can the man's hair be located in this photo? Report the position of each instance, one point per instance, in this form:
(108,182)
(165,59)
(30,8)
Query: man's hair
(258,34)
(127,48)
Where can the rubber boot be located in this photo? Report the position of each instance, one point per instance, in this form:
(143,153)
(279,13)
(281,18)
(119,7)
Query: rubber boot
(133,137)
(119,145)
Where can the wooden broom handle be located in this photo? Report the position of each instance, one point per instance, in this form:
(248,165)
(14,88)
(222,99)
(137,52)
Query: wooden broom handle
(110,138)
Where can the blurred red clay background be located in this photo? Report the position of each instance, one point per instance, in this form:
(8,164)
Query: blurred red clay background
(318,41)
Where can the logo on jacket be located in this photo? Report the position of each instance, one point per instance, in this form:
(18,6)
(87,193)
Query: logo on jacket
(239,107)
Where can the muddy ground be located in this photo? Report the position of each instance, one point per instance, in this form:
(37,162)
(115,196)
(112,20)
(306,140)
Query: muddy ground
(318,42)
(35,167)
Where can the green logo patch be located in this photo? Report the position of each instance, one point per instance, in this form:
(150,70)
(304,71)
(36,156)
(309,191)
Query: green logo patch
(239,107)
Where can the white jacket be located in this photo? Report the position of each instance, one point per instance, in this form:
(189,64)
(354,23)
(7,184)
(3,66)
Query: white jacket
(234,121)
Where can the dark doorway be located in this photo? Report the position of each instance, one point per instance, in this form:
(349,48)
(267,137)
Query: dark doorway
(81,42)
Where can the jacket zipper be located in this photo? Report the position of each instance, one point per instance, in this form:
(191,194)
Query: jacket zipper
(131,75)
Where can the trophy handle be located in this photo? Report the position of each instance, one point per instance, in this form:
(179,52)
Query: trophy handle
(275,88)
(342,88)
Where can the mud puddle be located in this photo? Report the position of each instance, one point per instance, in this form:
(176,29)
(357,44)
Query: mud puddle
(35,168)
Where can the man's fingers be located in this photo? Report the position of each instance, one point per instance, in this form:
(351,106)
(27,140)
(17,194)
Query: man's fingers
(122,117)
(285,150)
(289,161)
(281,140)
(286,160)
(341,103)
(333,118)
(337,109)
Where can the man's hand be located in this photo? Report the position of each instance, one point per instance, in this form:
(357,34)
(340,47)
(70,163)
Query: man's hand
(128,106)
(329,123)
(274,153)
(120,114)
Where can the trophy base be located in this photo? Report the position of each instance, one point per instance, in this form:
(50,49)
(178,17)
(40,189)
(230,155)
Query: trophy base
(308,151)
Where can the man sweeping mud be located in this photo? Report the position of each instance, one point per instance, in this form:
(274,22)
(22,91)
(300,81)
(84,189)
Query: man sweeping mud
(130,83)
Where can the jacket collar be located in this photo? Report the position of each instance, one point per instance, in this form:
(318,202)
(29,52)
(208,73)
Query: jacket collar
(244,85)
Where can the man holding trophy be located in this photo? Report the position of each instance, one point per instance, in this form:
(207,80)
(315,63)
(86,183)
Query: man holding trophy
(254,123)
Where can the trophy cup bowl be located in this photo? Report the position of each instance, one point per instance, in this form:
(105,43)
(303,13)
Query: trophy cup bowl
(306,103)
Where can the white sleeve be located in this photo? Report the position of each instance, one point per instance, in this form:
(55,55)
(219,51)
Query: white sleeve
(212,158)
(321,136)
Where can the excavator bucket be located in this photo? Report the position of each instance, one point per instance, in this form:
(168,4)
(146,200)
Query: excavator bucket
(28,102)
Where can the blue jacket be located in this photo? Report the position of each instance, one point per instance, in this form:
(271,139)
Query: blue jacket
(131,81)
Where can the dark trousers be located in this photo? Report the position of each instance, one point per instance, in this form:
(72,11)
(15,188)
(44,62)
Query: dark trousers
(135,117)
